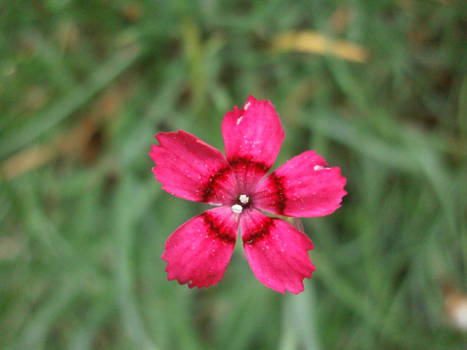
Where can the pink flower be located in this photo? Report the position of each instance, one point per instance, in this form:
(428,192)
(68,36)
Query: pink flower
(198,252)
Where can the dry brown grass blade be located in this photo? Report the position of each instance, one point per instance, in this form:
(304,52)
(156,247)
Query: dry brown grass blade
(26,160)
(314,42)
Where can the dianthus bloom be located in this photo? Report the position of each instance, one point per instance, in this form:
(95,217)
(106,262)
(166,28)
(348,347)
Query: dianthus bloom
(198,252)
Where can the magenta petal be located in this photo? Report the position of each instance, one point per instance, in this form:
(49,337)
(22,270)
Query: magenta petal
(276,251)
(253,137)
(198,252)
(191,169)
(304,186)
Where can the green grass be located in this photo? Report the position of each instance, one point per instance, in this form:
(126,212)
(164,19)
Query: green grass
(81,235)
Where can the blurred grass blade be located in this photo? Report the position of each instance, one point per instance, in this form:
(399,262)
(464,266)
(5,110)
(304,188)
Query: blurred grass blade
(346,132)
(77,97)
(362,306)
(125,217)
(83,337)
(299,326)
(40,323)
(72,142)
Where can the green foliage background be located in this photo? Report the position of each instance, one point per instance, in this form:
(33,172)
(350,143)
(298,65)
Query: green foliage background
(82,231)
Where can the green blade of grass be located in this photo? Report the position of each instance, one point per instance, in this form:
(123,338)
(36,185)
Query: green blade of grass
(76,98)
(125,217)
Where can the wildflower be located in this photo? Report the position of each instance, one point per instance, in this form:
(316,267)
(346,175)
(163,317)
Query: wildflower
(198,252)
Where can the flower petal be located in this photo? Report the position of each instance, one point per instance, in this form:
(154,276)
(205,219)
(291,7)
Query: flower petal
(253,137)
(277,251)
(304,186)
(198,252)
(191,169)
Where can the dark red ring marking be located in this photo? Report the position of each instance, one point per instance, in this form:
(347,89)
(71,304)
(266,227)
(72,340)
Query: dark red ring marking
(215,230)
(237,161)
(211,184)
(209,187)
(260,233)
(281,200)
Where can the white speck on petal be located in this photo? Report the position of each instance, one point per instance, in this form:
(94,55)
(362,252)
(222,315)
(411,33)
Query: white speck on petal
(319,167)
(201,142)
(247,105)
(239,119)
(244,199)
(237,208)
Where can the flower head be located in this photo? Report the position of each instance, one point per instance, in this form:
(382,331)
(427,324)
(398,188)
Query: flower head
(198,252)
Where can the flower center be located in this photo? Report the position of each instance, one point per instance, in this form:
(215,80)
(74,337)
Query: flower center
(242,202)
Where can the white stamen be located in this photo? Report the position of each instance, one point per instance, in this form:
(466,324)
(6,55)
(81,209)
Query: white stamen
(237,208)
(239,119)
(246,106)
(243,199)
